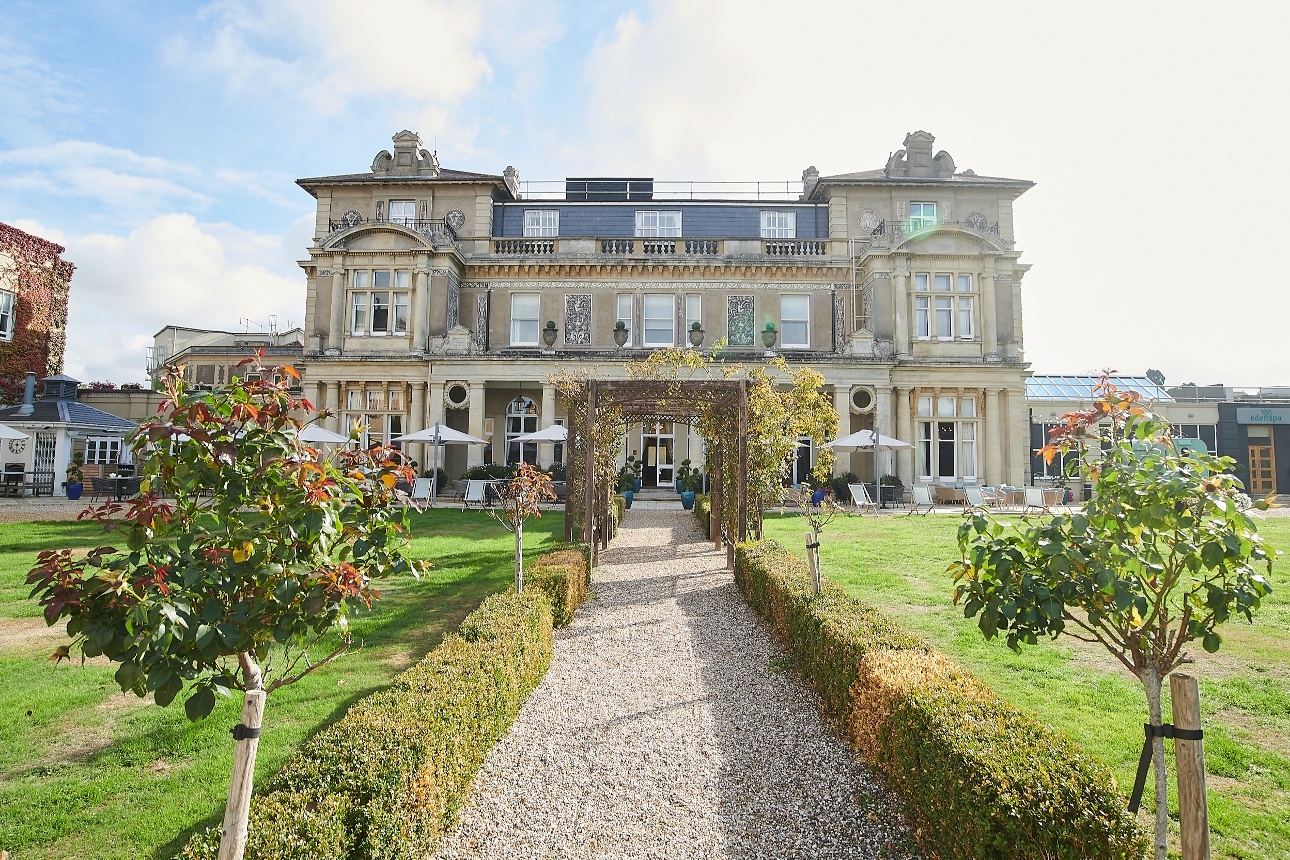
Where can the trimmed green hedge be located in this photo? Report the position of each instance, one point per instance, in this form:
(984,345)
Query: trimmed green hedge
(385,781)
(619,511)
(563,574)
(979,778)
(703,510)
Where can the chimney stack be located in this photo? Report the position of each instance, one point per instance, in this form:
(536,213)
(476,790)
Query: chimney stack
(28,397)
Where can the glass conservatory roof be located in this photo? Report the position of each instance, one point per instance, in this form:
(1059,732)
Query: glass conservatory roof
(1080,388)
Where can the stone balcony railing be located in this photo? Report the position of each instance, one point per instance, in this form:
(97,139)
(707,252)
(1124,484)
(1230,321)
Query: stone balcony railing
(656,247)
(890,233)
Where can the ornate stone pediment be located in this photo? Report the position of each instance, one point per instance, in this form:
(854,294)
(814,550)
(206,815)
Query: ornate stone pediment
(457,341)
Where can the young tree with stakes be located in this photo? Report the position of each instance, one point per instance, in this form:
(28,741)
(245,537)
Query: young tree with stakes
(522,499)
(818,516)
(1162,554)
(244,555)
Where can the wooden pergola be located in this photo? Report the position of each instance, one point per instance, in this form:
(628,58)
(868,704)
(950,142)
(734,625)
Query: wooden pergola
(676,400)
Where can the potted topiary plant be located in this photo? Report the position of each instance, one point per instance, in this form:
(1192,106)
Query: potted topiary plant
(75,476)
(634,467)
(689,486)
(624,485)
(681,471)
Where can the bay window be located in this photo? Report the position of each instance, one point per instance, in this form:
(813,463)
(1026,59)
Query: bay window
(379,301)
(946,447)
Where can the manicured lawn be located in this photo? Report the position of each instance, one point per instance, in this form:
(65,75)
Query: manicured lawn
(89,772)
(899,563)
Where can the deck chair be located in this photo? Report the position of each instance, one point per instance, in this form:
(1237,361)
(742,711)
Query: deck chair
(860,498)
(474,494)
(976,496)
(922,495)
(1035,499)
(421,489)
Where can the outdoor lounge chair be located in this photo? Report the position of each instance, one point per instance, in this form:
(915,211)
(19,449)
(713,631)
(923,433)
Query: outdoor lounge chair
(982,497)
(1035,499)
(474,494)
(421,490)
(922,495)
(860,498)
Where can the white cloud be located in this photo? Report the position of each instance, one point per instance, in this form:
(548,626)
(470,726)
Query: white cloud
(33,94)
(171,270)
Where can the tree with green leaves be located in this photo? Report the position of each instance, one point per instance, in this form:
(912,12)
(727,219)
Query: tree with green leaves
(1161,556)
(522,498)
(244,553)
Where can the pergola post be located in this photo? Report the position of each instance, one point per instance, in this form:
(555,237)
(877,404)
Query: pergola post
(743,460)
(589,475)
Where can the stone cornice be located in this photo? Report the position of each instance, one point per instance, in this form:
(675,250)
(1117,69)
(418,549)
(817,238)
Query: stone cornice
(826,272)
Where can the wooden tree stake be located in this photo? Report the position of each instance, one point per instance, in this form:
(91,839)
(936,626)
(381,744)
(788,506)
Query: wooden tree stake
(1193,811)
(236,812)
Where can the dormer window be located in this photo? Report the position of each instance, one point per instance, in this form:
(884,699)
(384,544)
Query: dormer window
(652,223)
(778,225)
(539,223)
(922,215)
(403,212)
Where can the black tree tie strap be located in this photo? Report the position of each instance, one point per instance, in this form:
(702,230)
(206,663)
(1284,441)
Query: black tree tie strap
(244,733)
(1144,761)
(813,545)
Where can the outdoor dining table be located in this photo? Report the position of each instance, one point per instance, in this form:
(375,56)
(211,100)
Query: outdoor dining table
(120,483)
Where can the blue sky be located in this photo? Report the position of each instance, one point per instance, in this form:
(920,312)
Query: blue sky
(160,141)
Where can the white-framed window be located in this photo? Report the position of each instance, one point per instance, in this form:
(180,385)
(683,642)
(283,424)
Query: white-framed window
(7,303)
(795,321)
(922,215)
(949,311)
(652,222)
(624,302)
(524,319)
(557,451)
(380,409)
(947,438)
(1207,433)
(102,450)
(379,301)
(541,222)
(403,212)
(777,224)
(659,320)
(693,310)
(521,417)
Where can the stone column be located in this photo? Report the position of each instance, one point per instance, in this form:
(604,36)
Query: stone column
(320,396)
(420,307)
(905,428)
(993,470)
(435,408)
(336,330)
(476,455)
(883,417)
(900,298)
(416,421)
(842,405)
(1018,434)
(546,450)
(989,315)
(333,403)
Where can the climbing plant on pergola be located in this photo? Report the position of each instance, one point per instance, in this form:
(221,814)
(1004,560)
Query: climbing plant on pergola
(748,419)
(599,411)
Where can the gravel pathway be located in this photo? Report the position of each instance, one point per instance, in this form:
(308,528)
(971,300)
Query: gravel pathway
(669,726)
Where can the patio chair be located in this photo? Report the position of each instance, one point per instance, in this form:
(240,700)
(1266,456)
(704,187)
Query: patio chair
(1035,499)
(976,496)
(860,498)
(474,494)
(421,490)
(11,484)
(922,496)
(100,487)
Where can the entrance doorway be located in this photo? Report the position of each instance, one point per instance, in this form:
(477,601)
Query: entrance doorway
(1263,468)
(658,448)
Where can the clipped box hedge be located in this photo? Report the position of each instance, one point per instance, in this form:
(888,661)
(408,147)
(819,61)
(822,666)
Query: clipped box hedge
(703,510)
(563,574)
(385,781)
(978,777)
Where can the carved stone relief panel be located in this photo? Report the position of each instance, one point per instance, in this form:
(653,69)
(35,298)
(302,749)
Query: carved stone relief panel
(481,319)
(739,320)
(840,321)
(455,218)
(869,221)
(975,221)
(577,320)
(454,301)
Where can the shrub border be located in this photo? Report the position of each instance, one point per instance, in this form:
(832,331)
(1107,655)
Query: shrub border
(978,777)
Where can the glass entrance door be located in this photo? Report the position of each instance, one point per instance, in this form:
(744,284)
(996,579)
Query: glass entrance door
(658,444)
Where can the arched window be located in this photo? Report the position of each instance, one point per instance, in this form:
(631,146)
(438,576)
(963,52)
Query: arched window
(521,417)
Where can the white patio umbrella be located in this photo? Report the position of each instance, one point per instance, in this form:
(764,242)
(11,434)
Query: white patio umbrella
(863,440)
(439,434)
(554,433)
(7,432)
(318,433)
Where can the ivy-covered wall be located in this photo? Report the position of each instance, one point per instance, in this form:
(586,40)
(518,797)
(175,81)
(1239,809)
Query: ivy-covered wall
(35,270)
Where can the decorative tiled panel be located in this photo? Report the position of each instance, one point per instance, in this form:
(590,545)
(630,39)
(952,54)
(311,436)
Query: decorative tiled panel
(454,303)
(577,320)
(481,318)
(839,321)
(739,320)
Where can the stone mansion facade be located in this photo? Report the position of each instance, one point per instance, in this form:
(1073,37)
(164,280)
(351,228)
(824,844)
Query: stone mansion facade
(442,295)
